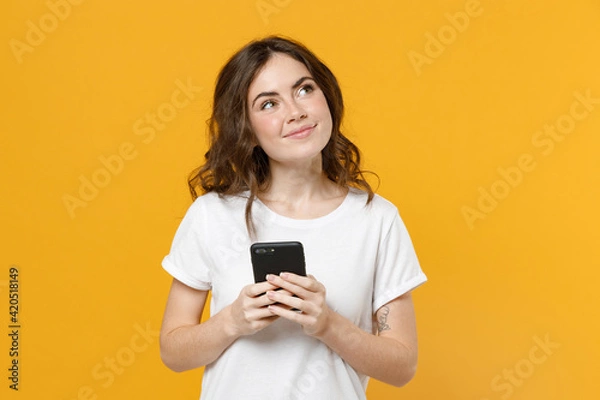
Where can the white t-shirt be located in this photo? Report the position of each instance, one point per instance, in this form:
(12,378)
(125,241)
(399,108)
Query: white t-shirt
(361,253)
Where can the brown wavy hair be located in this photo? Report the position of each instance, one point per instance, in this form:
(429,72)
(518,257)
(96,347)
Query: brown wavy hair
(234,162)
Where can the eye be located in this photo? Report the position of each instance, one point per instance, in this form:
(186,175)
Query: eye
(267,105)
(305,89)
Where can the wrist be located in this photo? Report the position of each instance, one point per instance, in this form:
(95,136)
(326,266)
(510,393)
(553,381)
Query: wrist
(229,327)
(339,332)
(330,328)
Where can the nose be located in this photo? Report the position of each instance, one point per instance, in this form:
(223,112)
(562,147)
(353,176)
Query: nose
(296,112)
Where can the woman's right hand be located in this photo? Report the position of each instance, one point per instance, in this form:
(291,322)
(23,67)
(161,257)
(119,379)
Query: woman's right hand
(249,312)
(186,344)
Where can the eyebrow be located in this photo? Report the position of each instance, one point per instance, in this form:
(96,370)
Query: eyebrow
(294,86)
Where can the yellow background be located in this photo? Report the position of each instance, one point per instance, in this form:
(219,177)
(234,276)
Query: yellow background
(436,133)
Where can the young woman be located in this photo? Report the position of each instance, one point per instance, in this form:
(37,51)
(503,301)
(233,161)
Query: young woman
(279,169)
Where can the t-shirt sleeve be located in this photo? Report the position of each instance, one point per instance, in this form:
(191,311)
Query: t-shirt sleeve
(398,270)
(186,261)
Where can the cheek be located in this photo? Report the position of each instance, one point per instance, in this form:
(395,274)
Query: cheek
(322,108)
(265,127)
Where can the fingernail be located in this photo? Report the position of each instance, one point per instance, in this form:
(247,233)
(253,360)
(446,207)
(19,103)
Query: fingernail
(269,277)
(284,275)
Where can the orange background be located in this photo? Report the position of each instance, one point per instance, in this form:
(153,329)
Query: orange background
(470,112)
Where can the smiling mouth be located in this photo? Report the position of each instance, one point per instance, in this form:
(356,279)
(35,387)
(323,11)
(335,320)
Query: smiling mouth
(301,132)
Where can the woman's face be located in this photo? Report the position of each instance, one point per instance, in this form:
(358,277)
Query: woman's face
(288,112)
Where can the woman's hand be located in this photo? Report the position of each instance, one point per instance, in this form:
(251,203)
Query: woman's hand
(249,312)
(390,356)
(313,313)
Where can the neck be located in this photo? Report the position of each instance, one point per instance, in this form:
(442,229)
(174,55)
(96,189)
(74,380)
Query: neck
(296,185)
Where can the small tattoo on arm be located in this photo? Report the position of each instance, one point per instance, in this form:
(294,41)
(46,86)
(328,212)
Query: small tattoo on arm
(382,324)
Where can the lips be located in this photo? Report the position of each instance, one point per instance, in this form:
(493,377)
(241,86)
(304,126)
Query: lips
(301,132)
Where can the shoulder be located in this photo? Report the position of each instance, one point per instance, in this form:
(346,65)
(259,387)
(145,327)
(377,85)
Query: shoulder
(210,204)
(384,205)
(213,199)
(378,204)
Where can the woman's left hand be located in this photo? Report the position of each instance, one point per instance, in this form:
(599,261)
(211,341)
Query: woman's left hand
(313,313)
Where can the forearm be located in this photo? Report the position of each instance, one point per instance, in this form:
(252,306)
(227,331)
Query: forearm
(193,346)
(390,357)
(382,358)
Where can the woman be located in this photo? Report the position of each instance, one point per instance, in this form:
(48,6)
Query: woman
(279,169)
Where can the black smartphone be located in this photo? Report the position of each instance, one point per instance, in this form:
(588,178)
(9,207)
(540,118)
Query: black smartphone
(276,257)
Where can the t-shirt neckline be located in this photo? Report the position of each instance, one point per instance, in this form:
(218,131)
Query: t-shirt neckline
(275,217)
